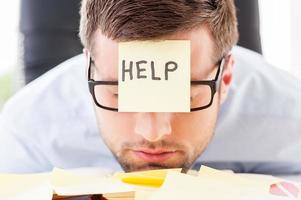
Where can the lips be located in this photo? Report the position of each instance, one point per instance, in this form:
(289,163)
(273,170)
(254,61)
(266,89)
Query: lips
(154,155)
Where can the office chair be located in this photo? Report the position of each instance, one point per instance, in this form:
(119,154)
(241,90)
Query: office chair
(50,30)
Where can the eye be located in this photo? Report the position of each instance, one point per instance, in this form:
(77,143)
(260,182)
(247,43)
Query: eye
(113,91)
(193,92)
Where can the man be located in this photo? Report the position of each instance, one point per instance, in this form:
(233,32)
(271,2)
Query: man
(52,123)
(142,141)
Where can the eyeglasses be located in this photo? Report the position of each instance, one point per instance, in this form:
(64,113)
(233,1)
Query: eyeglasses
(105,93)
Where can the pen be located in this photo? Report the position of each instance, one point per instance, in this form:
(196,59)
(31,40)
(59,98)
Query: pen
(153,178)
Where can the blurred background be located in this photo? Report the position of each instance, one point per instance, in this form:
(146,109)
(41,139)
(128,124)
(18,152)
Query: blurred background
(36,35)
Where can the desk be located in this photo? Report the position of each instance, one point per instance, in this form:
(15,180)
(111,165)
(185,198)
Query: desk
(85,197)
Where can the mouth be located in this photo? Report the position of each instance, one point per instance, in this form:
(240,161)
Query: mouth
(154,155)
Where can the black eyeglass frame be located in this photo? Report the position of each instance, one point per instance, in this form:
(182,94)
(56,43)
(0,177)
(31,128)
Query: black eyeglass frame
(213,84)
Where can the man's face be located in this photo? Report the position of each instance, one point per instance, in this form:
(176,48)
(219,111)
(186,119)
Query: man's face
(142,141)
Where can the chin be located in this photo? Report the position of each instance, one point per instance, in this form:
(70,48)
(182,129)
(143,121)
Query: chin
(148,168)
(151,166)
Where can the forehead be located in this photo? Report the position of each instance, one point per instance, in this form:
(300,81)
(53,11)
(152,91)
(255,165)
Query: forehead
(105,53)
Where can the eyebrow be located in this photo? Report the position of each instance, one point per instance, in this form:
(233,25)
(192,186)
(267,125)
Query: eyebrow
(207,74)
(95,68)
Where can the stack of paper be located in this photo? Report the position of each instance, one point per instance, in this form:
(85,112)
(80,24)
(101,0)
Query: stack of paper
(23,187)
(216,185)
(207,183)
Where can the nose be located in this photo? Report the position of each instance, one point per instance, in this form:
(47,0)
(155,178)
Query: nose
(153,126)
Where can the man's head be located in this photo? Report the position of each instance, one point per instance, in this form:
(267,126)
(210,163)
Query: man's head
(160,140)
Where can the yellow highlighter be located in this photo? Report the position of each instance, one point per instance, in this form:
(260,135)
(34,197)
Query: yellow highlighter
(152,178)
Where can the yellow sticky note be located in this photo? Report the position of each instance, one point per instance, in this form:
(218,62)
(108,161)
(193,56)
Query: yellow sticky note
(66,183)
(154,76)
(25,186)
(182,186)
(207,173)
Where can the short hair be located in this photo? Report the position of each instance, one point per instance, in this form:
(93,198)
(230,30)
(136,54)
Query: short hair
(126,20)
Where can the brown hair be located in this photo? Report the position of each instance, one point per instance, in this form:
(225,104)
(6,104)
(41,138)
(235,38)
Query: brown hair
(149,19)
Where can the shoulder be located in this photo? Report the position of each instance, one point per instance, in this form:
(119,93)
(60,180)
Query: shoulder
(51,122)
(260,120)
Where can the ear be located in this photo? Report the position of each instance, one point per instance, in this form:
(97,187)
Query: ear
(85,51)
(226,77)
(87,56)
